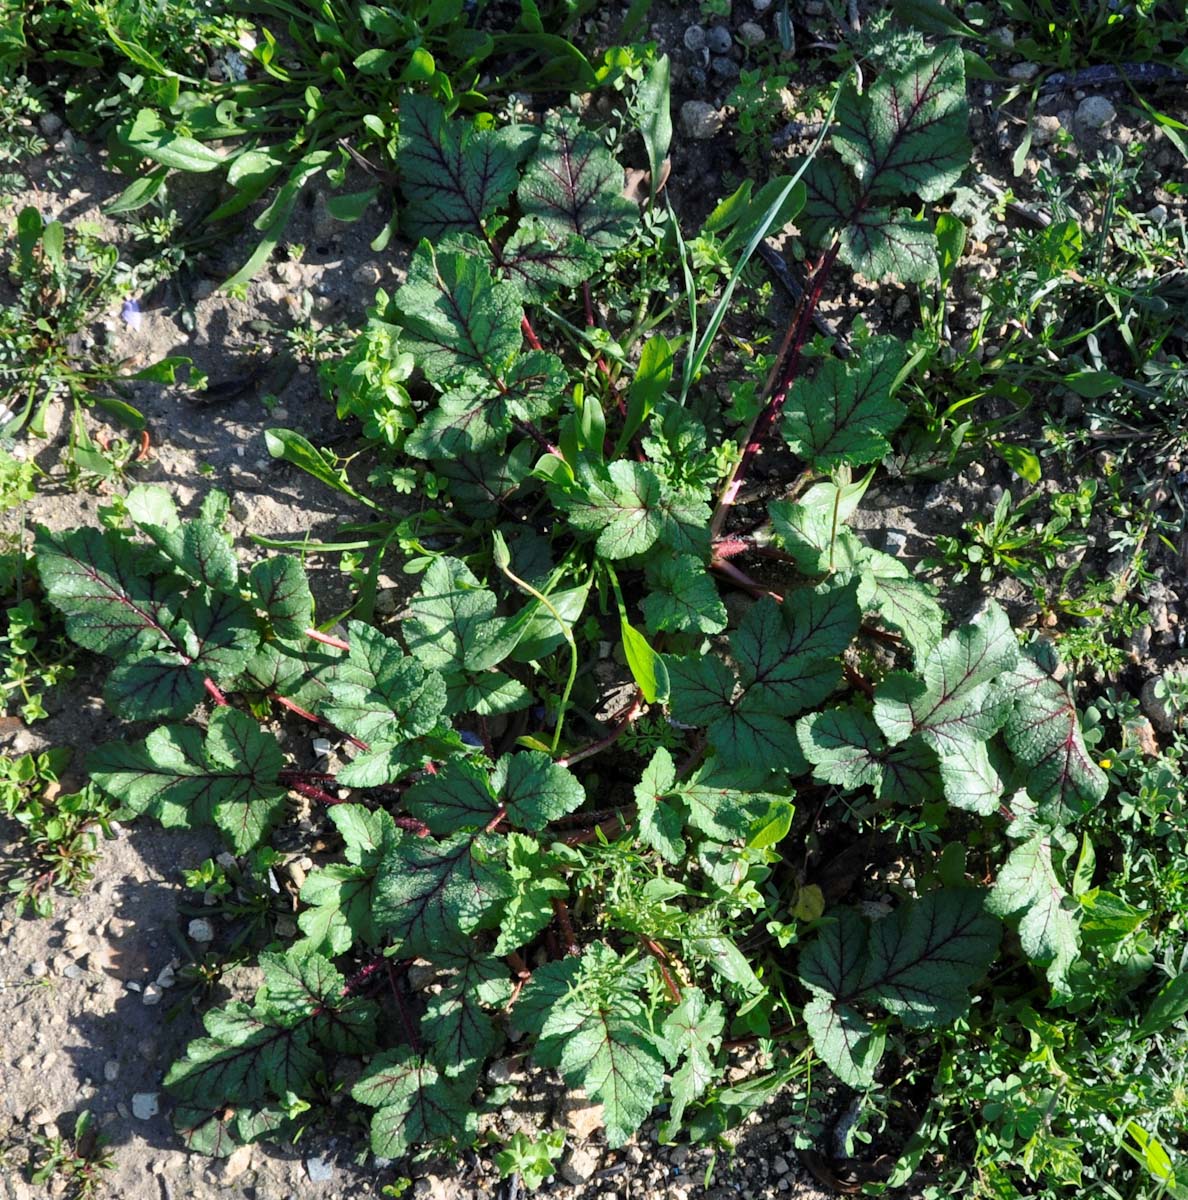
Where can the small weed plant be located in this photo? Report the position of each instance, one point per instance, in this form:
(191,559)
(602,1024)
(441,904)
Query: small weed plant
(688,855)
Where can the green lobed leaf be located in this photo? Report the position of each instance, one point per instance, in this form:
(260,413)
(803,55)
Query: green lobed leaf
(1029,888)
(228,779)
(843,414)
(280,589)
(428,893)
(457,320)
(969,779)
(573,185)
(682,597)
(844,745)
(535,790)
(416,1105)
(692,1032)
(453,174)
(534,885)
(958,698)
(479,414)
(543,261)
(1043,732)
(907,134)
(886,588)
(381,695)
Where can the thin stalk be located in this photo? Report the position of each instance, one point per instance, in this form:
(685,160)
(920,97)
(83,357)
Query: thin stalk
(765,421)
(305,714)
(504,565)
(327,639)
(609,740)
(216,695)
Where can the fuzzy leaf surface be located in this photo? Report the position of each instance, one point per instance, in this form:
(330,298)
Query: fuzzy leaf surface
(907,134)
(457,320)
(682,597)
(954,700)
(1029,888)
(228,779)
(416,1105)
(843,414)
(1044,733)
(573,185)
(379,694)
(452,174)
(429,893)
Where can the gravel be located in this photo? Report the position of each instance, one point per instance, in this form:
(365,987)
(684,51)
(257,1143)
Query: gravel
(1094,113)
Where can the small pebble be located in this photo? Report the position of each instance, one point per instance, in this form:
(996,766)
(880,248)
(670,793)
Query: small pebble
(73,971)
(750,34)
(725,69)
(50,123)
(200,930)
(694,38)
(38,969)
(718,40)
(695,78)
(1024,71)
(41,1116)
(152,994)
(166,977)
(319,1170)
(322,747)
(700,120)
(111,1070)
(145,1105)
(894,541)
(761,6)
(1095,113)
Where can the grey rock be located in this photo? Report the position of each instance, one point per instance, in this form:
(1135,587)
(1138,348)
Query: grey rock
(780,1165)
(761,6)
(73,971)
(694,38)
(1003,37)
(146,1105)
(367,274)
(1024,71)
(724,69)
(1158,214)
(152,994)
(319,1170)
(111,1070)
(579,1165)
(700,120)
(718,40)
(1044,130)
(1094,113)
(50,124)
(200,930)
(231,1168)
(38,969)
(695,78)
(750,34)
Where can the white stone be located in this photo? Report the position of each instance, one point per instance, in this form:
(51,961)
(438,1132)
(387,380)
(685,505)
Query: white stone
(319,1170)
(146,1105)
(200,930)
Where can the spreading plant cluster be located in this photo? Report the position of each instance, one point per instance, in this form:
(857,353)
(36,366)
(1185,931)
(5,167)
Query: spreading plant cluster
(662,776)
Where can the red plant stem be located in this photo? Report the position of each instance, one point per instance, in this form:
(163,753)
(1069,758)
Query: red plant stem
(311,792)
(539,438)
(561,912)
(297,773)
(658,953)
(610,739)
(729,571)
(327,639)
(361,976)
(493,823)
(591,322)
(586,820)
(530,334)
(765,421)
(523,976)
(215,694)
(854,679)
(285,702)
(402,1009)
(411,825)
